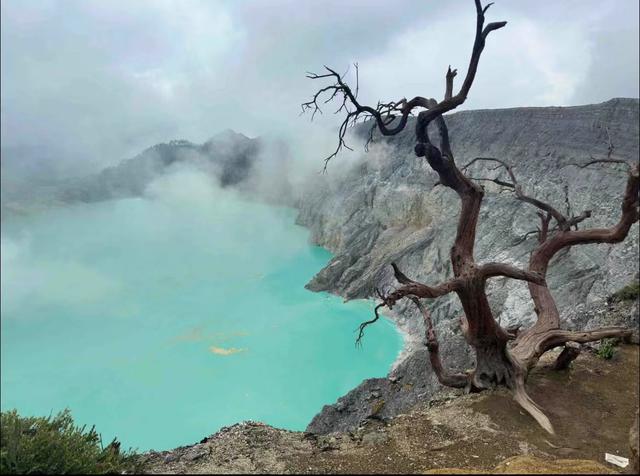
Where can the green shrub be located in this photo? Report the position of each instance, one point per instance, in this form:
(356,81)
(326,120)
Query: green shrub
(606,349)
(629,293)
(55,445)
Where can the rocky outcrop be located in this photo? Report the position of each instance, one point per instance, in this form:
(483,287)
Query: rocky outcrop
(386,208)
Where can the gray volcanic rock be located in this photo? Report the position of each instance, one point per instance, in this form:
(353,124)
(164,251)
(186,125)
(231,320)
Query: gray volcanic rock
(233,159)
(229,156)
(386,209)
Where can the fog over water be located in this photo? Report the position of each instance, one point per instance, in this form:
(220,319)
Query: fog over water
(160,319)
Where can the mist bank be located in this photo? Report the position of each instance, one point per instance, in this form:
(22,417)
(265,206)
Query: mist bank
(186,311)
(259,168)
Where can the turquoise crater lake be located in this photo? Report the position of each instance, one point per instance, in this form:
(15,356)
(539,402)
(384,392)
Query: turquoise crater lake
(162,319)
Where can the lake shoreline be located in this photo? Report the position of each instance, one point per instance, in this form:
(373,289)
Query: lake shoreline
(73,256)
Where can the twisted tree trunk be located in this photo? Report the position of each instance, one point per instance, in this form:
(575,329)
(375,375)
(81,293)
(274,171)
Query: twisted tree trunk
(495,364)
(546,333)
(502,358)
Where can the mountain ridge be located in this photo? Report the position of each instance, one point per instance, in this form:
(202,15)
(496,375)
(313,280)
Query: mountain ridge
(231,158)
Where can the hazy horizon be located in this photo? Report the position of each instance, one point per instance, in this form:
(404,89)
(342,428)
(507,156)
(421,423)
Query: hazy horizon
(86,84)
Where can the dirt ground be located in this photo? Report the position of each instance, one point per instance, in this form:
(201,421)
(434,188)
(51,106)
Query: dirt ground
(591,405)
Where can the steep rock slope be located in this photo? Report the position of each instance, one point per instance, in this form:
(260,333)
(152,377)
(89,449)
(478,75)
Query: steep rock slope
(386,209)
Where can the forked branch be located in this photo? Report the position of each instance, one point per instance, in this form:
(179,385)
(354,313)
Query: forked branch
(362,326)
(491,270)
(615,234)
(563,222)
(392,117)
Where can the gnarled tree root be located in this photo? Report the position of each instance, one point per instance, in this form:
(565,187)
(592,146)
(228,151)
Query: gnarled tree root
(503,366)
(529,346)
(570,352)
(526,353)
(524,400)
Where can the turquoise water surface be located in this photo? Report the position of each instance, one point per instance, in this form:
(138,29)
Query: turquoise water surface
(162,319)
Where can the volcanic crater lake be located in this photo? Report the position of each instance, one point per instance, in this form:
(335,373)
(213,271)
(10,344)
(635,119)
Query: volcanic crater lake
(162,319)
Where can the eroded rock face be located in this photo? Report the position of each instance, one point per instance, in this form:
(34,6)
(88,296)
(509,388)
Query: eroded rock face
(386,209)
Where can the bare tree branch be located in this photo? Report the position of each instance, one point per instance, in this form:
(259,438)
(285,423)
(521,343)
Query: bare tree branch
(367,323)
(524,237)
(531,346)
(491,270)
(615,234)
(449,82)
(545,219)
(456,380)
(413,288)
(517,188)
(384,111)
(608,160)
(600,161)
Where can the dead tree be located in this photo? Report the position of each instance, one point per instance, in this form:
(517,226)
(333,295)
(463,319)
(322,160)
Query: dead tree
(559,231)
(497,363)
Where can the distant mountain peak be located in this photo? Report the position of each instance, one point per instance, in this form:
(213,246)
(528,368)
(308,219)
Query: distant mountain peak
(228,134)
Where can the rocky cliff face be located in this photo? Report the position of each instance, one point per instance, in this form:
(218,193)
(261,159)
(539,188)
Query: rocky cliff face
(386,209)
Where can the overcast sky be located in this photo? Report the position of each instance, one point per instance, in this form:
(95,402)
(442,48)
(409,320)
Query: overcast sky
(89,82)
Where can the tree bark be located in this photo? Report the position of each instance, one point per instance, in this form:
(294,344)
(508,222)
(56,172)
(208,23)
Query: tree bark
(569,354)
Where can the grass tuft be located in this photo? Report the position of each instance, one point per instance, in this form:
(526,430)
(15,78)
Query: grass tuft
(630,292)
(607,349)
